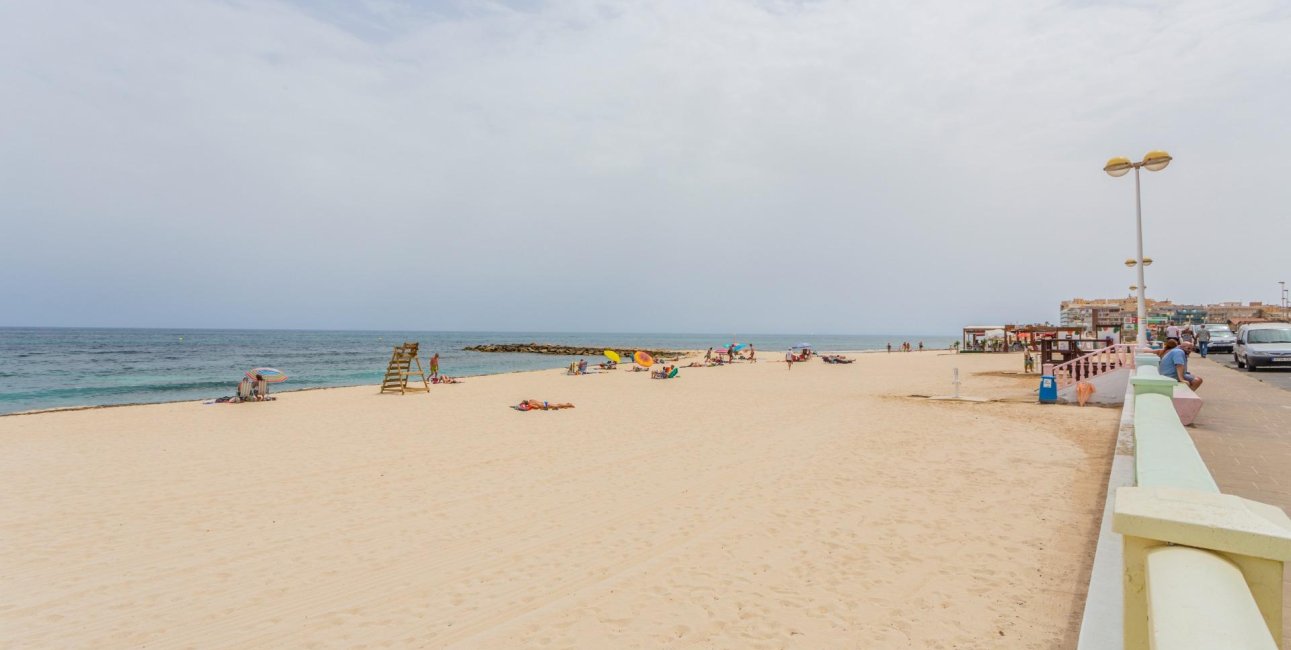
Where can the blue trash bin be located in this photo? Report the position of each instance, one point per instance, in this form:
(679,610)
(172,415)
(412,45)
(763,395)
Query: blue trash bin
(1048,390)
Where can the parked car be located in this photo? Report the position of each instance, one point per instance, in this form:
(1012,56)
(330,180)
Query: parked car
(1221,338)
(1263,345)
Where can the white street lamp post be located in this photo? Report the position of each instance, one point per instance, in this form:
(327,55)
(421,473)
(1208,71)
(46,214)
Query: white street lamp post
(1155,161)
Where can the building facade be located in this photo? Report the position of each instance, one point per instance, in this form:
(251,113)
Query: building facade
(1102,317)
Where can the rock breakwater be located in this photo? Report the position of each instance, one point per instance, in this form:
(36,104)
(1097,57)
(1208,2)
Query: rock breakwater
(567,350)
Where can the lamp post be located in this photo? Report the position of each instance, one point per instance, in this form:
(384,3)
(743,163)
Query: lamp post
(1284,301)
(1154,161)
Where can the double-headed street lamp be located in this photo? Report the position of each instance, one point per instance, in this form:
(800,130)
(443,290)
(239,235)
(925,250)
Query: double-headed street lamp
(1154,161)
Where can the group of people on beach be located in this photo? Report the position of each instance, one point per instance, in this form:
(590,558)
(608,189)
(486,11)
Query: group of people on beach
(713,358)
(253,390)
(905,347)
(250,389)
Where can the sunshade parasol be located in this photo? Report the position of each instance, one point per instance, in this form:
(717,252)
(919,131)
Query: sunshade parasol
(612,356)
(271,375)
(643,359)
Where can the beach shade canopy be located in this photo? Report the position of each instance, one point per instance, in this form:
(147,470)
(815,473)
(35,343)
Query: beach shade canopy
(271,375)
(643,359)
(612,356)
(802,346)
(740,346)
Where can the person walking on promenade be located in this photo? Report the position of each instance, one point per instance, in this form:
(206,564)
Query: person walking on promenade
(1172,332)
(1203,341)
(1186,336)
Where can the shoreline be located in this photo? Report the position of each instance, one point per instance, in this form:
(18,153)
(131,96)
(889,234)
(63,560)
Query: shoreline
(686,354)
(52,368)
(89,407)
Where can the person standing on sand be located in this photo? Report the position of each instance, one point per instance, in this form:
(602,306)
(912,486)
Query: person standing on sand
(708,357)
(921,346)
(889,347)
(752,353)
(730,354)
(434,366)
(788,359)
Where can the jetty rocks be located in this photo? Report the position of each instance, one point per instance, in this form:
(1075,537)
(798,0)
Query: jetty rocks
(566,350)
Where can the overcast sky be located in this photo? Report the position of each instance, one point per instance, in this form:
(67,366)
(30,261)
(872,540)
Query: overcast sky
(715,166)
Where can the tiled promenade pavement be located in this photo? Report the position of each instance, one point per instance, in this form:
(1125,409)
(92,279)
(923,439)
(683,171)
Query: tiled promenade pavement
(1244,434)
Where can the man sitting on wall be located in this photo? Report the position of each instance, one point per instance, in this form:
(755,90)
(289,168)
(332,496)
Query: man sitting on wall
(1174,363)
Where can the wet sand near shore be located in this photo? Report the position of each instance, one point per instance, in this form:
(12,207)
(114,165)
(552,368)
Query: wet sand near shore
(750,506)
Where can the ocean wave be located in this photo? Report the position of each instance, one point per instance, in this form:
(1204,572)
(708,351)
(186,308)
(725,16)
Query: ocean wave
(159,389)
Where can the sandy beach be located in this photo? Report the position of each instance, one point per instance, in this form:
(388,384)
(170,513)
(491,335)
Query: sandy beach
(738,507)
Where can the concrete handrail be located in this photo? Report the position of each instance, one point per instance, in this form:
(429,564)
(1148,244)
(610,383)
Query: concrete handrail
(1253,536)
(1164,453)
(1189,583)
(1197,562)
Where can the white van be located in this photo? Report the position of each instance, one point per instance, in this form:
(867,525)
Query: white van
(1263,345)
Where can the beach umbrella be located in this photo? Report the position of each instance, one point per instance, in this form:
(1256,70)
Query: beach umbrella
(271,375)
(612,356)
(740,346)
(643,359)
(802,346)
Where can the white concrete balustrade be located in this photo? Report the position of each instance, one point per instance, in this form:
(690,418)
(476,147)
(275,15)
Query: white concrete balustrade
(1201,569)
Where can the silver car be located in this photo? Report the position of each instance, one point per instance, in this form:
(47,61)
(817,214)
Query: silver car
(1263,345)
(1221,338)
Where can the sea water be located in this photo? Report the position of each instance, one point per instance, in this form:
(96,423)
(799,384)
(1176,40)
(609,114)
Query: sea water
(42,368)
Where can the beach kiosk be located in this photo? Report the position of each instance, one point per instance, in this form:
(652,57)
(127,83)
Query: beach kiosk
(984,338)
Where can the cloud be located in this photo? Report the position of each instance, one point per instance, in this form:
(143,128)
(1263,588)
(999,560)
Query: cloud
(718,166)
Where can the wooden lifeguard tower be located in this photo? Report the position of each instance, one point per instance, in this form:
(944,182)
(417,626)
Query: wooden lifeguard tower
(400,369)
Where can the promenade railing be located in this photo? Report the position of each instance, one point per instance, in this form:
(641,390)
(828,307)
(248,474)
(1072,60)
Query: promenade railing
(1100,361)
(1202,569)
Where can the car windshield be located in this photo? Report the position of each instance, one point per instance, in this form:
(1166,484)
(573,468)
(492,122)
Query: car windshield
(1218,329)
(1269,336)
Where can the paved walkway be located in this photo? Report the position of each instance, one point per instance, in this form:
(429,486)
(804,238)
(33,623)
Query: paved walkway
(1244,435)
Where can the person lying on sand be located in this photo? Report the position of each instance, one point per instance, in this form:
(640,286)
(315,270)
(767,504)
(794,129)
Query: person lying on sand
(535,405)
(445,379)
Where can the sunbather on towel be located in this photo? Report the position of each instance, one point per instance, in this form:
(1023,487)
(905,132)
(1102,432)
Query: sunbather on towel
(535,405)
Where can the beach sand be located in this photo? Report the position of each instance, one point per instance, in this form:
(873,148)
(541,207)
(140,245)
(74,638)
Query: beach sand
(738,507)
